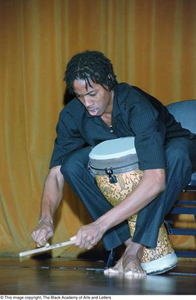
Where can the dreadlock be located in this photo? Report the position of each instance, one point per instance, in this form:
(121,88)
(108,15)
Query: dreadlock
(90,65)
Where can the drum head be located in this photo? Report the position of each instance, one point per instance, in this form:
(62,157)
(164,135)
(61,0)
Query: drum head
(114,148)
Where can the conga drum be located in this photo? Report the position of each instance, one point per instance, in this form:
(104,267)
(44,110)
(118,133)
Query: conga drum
(114,164)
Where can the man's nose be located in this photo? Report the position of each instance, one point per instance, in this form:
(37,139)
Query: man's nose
(87,100)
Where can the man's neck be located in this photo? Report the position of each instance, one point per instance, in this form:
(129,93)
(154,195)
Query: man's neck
(107,118)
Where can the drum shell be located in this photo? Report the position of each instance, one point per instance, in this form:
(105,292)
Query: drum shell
(117,192)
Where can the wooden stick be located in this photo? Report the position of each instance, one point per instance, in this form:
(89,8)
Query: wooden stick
(42,249)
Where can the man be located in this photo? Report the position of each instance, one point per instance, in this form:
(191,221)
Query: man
(166,154)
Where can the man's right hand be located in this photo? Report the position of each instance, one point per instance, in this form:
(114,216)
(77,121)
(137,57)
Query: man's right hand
(43,232)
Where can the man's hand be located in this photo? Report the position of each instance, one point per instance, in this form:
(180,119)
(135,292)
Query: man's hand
(43,232)
(89,235)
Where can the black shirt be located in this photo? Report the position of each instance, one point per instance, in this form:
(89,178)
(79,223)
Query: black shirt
(135,113)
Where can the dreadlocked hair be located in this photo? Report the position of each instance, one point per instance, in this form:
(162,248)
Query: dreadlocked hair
(90,66)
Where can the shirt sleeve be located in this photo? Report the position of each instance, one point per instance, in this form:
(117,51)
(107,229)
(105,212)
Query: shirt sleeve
(68,139)
(150,134)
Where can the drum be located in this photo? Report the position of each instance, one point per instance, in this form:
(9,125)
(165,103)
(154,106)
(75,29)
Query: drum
(114,164)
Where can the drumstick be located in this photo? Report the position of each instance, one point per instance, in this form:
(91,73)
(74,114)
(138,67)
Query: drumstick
(42,249)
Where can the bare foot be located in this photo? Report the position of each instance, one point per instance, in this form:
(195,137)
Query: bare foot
(130,262)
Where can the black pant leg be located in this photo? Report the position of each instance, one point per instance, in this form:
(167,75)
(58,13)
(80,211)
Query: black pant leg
(75,172)
(181,162)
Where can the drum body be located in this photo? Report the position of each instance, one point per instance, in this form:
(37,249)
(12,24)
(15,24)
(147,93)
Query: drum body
(114,164)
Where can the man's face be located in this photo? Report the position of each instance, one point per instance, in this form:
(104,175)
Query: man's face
(94,97)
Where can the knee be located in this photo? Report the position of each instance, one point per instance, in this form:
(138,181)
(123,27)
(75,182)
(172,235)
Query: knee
(75,165)
(178,160)
(72,167)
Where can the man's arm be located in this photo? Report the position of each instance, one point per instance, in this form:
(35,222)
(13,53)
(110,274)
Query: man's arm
(151,185)
(52,195)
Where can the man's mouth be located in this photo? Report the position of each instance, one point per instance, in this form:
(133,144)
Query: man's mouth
(92,112)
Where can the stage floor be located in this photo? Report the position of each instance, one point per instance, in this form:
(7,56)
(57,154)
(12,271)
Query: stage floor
(60,276)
